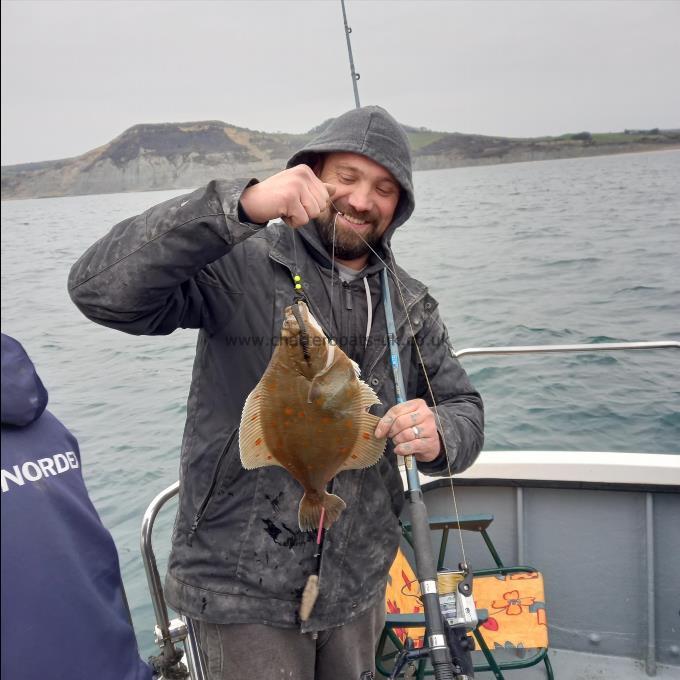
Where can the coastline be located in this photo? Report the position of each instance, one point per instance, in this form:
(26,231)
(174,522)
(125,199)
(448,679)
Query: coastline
(422,163)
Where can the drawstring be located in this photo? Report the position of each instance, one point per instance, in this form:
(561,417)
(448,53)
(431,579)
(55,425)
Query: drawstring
(369,305)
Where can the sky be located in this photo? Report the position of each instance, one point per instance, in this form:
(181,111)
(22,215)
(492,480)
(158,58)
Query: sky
(77,74)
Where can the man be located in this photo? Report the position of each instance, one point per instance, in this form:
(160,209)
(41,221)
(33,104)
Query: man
(63,607)
(208,260)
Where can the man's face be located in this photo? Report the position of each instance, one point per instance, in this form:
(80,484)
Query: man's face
(366,194)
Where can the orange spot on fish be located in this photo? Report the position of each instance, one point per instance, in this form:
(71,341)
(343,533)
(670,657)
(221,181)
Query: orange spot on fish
(288,411)
(365,435)
(253,418)
(301,414)
(348,424)
(258,441)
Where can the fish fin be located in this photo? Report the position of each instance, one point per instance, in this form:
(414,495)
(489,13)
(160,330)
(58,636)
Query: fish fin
(309,513)
(355,366)
(368,448)
(368,396)
(251,441)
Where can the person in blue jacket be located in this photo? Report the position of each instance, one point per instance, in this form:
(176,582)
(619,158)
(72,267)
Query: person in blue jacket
(63,610)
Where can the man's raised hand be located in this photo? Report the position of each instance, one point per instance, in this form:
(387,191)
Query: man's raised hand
(295,195)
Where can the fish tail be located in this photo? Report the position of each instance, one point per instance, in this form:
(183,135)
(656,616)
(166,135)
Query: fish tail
(333,505)
(309,513)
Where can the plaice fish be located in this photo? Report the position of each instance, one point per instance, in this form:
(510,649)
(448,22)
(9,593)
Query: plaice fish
(309,415)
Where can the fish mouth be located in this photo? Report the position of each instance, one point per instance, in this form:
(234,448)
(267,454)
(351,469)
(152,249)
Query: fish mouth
(302,326)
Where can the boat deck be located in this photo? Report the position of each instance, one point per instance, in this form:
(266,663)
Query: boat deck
(570,665)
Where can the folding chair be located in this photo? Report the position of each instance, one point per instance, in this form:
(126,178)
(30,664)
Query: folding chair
(512,632)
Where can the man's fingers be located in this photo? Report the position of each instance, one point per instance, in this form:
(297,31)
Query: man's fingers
(296,217)
(425,431)
(312,183)
(406,407)
(412,448)
(400,416)
(405,422)
(422,449)
(284,194)
(320,192)
(310,203)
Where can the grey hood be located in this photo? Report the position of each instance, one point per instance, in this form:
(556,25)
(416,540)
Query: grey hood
(374,133)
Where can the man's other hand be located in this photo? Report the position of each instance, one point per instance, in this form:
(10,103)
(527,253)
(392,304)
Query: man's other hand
(412,428)
(295,195)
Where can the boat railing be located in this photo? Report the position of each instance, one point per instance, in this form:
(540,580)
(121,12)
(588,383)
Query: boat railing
(169,632)
(546,349)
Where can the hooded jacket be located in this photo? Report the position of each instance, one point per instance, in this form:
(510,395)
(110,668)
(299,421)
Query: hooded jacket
(63,607)
(195,261)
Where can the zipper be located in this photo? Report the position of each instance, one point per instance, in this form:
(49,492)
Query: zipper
(204,505)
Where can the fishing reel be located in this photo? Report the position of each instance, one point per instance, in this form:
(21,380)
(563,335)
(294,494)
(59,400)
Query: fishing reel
(459,616)
(455,598)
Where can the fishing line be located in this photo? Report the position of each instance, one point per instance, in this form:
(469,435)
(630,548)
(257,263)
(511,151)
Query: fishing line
(439,420)
(335,221)
(399,285)
(311,590)
(297,279)
(339,212)
(321,533)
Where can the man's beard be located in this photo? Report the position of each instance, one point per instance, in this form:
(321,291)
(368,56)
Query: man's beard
(349,245)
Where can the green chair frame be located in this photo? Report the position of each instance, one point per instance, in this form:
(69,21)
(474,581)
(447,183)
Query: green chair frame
(478,524)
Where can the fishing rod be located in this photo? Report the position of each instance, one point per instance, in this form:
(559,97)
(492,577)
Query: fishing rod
(439,638)
(355,75)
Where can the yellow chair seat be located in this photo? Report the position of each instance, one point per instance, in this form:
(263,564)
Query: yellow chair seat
(515,604)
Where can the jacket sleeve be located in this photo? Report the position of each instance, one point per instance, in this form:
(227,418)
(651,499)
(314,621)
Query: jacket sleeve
(153,273)
(459,412)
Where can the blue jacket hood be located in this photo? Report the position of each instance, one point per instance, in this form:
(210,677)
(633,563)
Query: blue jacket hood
(24,397)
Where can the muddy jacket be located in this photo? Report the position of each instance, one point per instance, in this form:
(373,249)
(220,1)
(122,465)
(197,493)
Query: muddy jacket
(238,555)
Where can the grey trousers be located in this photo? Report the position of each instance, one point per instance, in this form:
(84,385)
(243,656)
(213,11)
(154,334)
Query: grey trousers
(259,652)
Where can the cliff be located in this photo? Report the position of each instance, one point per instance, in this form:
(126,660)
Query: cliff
(185,155)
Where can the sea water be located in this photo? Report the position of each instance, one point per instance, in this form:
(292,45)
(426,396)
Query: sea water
(550,252)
